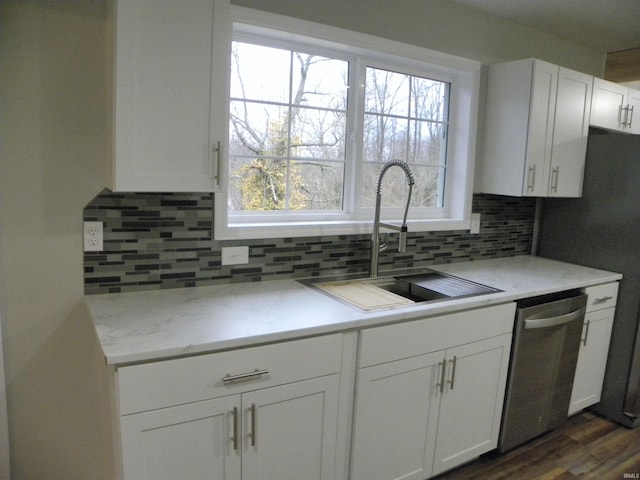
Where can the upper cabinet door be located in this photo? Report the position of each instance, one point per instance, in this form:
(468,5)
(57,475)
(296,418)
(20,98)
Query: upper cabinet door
(507,165)
(170,68)
(540,131)
(609,99)
(633,118)
(570,133)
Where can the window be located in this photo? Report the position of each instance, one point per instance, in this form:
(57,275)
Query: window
(405,118)
(288,118)
(313,116)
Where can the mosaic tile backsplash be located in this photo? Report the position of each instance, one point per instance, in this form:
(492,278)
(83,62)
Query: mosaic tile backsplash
(154,241)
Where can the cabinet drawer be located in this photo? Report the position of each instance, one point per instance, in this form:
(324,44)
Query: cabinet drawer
(404,340)
(602,296)
(174,382)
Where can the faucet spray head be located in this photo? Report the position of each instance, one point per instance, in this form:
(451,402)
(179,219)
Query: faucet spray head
(402,240)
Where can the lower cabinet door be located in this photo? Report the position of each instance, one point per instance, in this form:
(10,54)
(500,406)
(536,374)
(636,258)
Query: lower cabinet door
(187,442)
(592,359)
(471,404)
(395,419)
(290,431)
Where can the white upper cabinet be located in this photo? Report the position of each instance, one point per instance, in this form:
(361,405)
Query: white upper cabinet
(170,75)
(535,130)
(634,111)
(615,107)
(609,100)
(570,133)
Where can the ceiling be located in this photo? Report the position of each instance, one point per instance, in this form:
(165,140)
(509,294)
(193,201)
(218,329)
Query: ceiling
(605,25)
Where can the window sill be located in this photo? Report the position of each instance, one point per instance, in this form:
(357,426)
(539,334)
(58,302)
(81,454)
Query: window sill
(307,229)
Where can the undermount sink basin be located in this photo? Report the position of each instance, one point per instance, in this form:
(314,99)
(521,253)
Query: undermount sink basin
(400,290)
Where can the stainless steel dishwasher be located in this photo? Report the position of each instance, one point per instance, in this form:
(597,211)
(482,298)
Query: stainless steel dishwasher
(543,363)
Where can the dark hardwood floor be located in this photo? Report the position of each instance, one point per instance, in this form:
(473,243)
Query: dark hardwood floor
(586,447)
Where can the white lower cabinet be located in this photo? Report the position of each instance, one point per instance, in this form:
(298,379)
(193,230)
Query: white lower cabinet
(290,431)
(396,413)
(269,423)
(190,441)
(285,432)
(428,397)
(594,346)
(421,410)
(471,401)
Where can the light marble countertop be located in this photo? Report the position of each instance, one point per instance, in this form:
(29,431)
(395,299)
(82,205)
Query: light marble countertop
(143,326)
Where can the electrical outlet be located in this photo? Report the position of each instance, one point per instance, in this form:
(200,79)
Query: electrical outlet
(93,236)
(235,255)
(475,224)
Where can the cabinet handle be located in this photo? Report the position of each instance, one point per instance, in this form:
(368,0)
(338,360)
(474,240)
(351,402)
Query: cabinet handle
(555,173)
(586,333)
(228,378)
(254,433)
(440,384)
(218,154)
(236,419)
(626,112)
(453,372)
(600,300)
(630,112)
(531,178)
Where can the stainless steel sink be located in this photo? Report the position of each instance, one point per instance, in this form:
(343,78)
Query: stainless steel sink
(405,288)
(423,287)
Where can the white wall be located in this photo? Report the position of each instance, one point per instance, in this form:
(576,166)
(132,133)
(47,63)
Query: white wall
(52,136)
(5,466)
(440,25)
(53,117)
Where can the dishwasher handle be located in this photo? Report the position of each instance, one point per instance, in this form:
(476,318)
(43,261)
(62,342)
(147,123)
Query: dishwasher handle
(554,321)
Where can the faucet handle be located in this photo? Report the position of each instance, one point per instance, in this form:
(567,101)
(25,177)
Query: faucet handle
(383,242)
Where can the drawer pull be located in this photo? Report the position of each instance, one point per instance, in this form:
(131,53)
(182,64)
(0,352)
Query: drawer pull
(602,300)
(228,378)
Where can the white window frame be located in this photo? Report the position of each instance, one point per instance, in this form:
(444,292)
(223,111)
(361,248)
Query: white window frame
(464,78)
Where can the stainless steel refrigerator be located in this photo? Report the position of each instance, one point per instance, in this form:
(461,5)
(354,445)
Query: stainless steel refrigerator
(602,230)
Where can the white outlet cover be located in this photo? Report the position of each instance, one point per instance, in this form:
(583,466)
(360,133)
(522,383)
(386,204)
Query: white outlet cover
(235,255)
(93,237)
(475,224)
